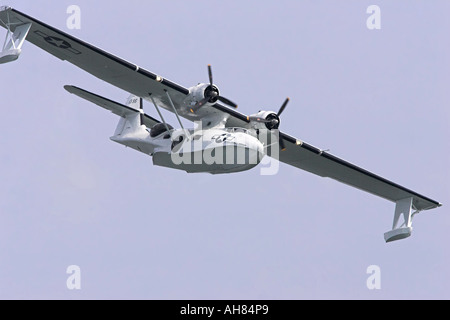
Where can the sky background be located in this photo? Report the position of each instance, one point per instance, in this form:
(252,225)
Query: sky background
(377,98)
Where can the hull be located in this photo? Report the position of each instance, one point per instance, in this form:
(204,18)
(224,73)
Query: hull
(217,160)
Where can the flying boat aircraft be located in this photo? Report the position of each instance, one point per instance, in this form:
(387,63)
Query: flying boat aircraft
(224,139)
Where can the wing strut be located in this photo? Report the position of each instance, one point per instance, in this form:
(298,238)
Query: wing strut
(176,112)
(160,115)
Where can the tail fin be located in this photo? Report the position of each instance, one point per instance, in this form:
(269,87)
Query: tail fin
(132,121)
(133,102)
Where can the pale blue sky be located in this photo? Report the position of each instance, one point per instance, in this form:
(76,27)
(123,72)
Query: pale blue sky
(379,99)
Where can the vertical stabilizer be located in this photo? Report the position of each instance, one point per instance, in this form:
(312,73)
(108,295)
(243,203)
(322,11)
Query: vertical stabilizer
(130,123)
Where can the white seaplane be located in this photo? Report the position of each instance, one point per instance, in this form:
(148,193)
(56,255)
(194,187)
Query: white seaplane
(224,140)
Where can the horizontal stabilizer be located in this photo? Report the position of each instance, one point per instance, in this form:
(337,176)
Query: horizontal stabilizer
(115,107)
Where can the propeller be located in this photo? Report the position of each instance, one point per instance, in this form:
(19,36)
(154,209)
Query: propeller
(272,121)
(212,95)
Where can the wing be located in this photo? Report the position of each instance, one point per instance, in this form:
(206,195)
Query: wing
(307,157)
(115,107)
(114,70)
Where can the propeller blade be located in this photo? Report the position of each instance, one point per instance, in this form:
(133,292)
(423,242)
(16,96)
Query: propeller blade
(228,102)
(283,107)
(210,75)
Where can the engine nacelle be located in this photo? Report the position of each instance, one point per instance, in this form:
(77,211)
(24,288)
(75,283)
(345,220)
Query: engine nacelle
(265,120)
(201,92)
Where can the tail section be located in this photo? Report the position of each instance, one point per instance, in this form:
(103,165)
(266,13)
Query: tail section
(132,129)
(131,114)
(130,122)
